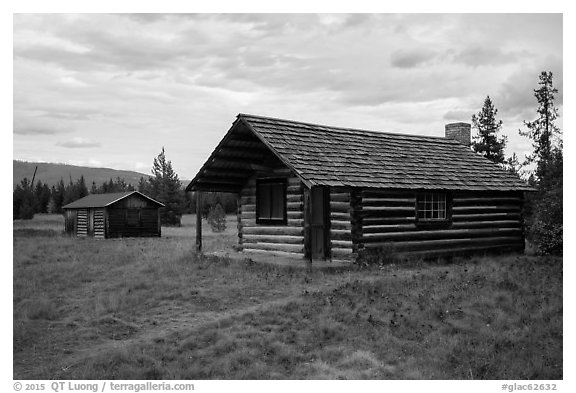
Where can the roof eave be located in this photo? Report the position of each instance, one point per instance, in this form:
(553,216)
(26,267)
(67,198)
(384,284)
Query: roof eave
(308,183)
(192,186)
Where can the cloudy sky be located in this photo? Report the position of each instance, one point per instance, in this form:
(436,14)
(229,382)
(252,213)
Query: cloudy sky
(111,90)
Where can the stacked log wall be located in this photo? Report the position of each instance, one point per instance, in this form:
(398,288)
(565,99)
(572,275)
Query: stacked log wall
(117,225)
(480,222)
(284,240)
(341,224)
(82,222)
(99,225)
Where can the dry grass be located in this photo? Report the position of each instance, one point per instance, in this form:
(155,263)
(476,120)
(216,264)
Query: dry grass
(150,308)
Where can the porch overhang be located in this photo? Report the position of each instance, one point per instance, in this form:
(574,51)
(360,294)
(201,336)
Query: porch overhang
(241,154)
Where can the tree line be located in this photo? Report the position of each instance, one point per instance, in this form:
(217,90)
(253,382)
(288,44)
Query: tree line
(163,186)
(29,199)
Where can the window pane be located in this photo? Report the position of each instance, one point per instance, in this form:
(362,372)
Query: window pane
(432,206)
(277,201)
(263,201)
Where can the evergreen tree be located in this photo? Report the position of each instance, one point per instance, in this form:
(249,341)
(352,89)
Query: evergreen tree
(23,200)
(165,187)
(513,165)
(41,197)
(487,142)
(58,196)
(69,193)
(543,130)
(144,185)
(17,199)
(51,205)
(80,188)
(94,188)
(544,220)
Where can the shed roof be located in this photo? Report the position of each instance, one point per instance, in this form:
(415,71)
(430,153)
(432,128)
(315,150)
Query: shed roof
(335,156)
(103,200)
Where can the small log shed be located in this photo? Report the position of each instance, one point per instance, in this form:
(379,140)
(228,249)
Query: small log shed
(318,192)
(122,214)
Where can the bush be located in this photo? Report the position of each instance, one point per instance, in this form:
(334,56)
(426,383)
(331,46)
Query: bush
(544,219)
(546,229)
(217,218)
(170,217)
(377,256)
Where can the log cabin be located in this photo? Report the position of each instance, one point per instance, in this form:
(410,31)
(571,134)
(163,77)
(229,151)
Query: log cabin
(112,215)
(327,193)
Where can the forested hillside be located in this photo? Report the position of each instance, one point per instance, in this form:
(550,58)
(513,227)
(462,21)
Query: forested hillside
(50,173)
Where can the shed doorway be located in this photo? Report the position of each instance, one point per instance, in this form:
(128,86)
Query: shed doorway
(319,223)
(90,222)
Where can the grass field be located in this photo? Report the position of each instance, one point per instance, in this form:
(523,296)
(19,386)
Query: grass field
(152,309)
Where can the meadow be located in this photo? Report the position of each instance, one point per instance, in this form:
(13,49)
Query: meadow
(154,309)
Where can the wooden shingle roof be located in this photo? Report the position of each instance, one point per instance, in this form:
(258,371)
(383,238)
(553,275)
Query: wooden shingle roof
(103,200)
(333,156)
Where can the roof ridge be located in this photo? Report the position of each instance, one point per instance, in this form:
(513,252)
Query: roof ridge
(378,133)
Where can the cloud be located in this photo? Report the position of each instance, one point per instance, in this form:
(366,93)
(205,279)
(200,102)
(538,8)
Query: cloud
(78,142)
(516,93)
(25,124)
(458,115)
(410,58)
(179,79)
(476,56)
(37,130)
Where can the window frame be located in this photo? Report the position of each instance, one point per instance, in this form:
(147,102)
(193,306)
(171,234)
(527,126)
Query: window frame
(272,221)
(434,222)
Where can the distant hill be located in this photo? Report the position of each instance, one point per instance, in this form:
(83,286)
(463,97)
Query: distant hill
(52,173)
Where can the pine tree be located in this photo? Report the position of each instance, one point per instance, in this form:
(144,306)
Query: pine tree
(51,206)
(69,193)
(544,221)
(41,197)
(166,188)
(487,142)
(542,131)
(58,196)
(94,188)
(23,200)
(144,185)
(81,190)
(513,165)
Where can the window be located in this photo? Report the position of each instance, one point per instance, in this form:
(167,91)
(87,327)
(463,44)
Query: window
(432,206)
(271,201)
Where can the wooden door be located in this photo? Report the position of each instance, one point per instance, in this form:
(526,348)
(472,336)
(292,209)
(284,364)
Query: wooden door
(90,222)
(319,213)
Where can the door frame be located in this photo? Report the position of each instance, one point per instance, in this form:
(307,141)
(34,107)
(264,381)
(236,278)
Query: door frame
(90,222)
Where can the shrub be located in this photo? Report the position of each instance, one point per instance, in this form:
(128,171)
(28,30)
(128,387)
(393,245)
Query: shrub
(377,256)
(217,218)
(546,229)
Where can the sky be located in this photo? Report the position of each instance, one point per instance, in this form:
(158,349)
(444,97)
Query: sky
(110,90)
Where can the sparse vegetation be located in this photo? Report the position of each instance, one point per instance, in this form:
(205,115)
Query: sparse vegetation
(178,315)
(217,218)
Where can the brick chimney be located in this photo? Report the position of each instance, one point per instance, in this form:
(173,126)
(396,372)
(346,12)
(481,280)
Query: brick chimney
(459,131)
